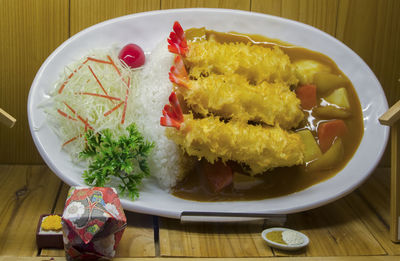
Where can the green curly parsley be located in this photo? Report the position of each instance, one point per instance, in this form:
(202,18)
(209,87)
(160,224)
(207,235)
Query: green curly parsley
(125,158)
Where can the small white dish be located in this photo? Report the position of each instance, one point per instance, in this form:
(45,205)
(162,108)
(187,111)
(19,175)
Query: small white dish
(289,247)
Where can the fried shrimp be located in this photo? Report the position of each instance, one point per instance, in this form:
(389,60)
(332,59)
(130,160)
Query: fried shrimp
(260,148)
(228,85)
(233,97)
(256,62)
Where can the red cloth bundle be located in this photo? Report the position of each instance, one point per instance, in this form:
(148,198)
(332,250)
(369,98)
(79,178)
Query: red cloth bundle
(93,223)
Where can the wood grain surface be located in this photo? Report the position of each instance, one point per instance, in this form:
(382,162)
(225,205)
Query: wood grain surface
(211,240)
(372,29)
(351,228)
(332,258)
(26,191)
(318,13)
(229,4)
(30,30)
(395,185)
(330,233)
(363,201)
(89,12)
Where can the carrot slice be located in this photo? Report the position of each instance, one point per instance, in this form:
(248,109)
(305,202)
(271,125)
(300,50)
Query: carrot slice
(218,175)
(70,108)
(126,101)
(113,109)
(98,81)
(87,125)
(328,131)
(69,141)
(113,64)
(70,76)
(99,95)
(65,115)
(308,96)
(97,60)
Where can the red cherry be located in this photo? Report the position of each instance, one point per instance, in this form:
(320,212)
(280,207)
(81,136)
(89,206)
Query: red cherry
(132,55)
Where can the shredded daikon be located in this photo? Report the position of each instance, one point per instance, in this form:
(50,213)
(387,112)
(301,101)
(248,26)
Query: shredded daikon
(93,93)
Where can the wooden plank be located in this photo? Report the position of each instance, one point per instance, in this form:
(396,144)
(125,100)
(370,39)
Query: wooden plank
(7,119)
(373,208)
(212,240)
(137,240)
(89,12)
(26,193)
(29,31)
(372,221)
(395,185)
(230,4)
(7,203)
(318,13)
(271,7)
(334,230)
(372,29)
(379,200)
(59,206)
(391,116)
(332,258)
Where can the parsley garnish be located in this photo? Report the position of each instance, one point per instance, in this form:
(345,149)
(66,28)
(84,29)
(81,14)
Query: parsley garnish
(125,158)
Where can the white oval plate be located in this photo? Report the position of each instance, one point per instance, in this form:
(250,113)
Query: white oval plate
(306,240)
(148,29)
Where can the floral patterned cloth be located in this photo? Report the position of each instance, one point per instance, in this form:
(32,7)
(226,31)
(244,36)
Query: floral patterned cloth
(93,223)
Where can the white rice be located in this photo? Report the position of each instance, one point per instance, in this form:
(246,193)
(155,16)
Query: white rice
(148,100)
(149,93)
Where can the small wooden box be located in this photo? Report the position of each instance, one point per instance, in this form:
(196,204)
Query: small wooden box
(51,239)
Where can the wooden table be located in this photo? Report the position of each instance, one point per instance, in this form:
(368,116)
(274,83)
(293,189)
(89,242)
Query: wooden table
(352,228)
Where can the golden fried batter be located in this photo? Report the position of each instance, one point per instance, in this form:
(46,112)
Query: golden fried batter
(233,97)
(261,148)
(256,62)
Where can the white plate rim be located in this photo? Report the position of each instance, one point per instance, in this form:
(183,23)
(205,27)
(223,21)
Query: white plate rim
(137,206)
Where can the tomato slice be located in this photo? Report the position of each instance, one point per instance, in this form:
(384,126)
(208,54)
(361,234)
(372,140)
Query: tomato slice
(219,175)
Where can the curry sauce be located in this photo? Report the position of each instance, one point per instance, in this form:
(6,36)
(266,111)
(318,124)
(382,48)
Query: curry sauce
(283,180)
